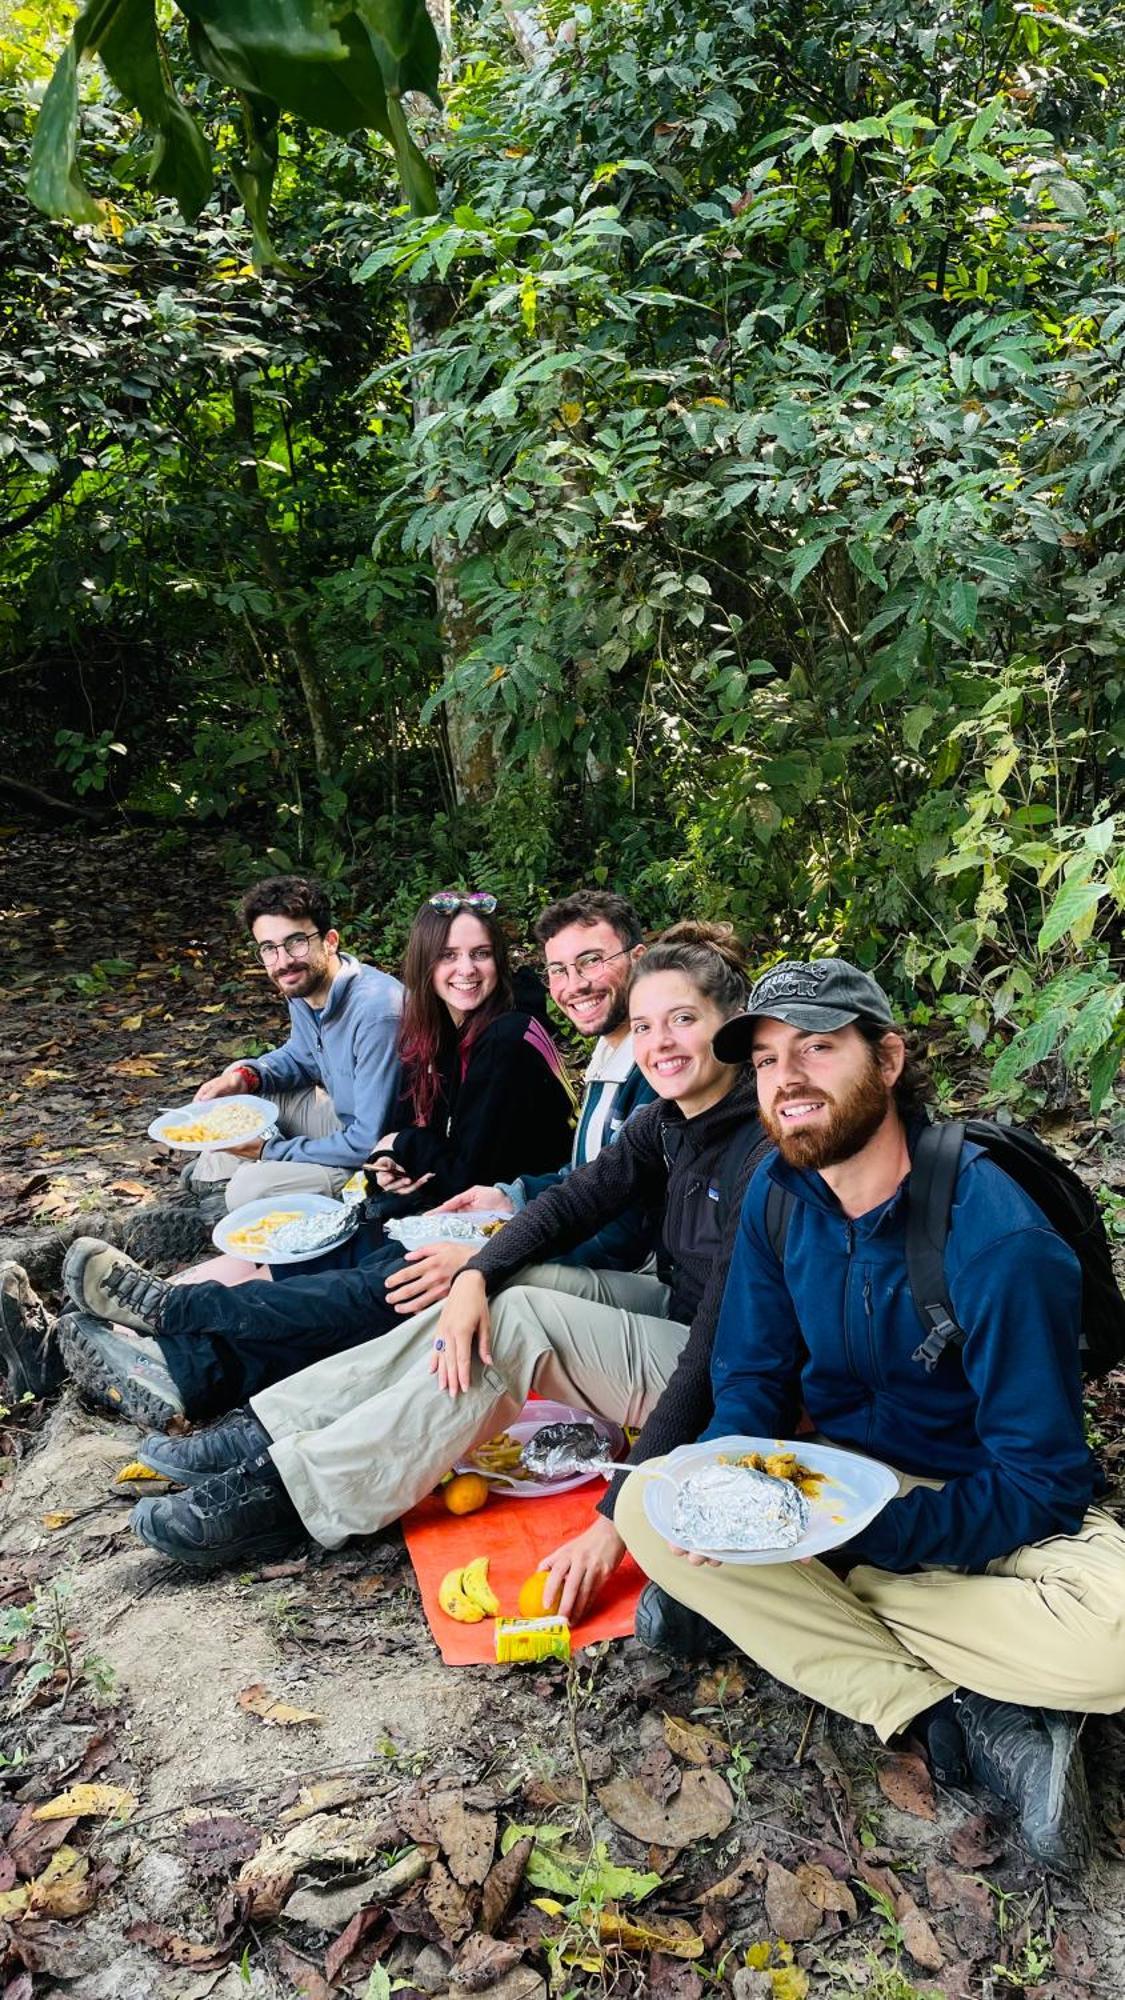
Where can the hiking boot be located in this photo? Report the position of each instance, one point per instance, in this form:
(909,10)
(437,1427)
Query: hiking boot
(939,1734)
(235,1440)
(210,1196)
(240,1516)
(665,1625)
(168,1234)
(1032,1759)
(29,1352)
(111,1286)
(121,1372)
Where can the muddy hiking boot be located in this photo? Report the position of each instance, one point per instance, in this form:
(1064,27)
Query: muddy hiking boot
(105,1282)
(240,1516)
(30,1361)
(1032,1759)
(665,1625)
(120,1372)
(235,1440)
(938,1733)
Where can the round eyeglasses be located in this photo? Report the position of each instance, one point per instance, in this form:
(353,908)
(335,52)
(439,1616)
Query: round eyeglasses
(296,947)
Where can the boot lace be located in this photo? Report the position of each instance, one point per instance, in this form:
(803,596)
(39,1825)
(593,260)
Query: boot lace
(138,1290)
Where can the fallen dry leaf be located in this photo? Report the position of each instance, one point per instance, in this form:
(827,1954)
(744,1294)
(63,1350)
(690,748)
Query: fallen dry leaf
(693,1742)
(673,1979)
(60,1517)
(905,1780)
(257,1700)
(790,1912)
(721,1684)
(218,1842)
(673,1935)
(919,1939)
(89,1802)
(701,1809)
(447,1904)
(751,1868)
(978,1843)
(822,1888)
(133,1066)
(304,1977)
(482,1960)
(134,1470)
(502,1882)
(177,1950)
(468,1838)
(136,1189)
(64,1889)
(659,1773)
(348,1942)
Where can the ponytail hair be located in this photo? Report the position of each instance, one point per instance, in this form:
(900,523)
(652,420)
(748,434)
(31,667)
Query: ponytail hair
(710,955)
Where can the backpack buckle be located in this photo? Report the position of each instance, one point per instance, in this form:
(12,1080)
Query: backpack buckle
(942,1331)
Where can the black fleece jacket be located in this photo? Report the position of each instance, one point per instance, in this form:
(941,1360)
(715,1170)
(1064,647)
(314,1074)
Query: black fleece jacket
(510,1113)
(694,1172)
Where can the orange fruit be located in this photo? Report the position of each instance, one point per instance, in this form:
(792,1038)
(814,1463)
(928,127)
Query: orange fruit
(465,1492)
(531,1600)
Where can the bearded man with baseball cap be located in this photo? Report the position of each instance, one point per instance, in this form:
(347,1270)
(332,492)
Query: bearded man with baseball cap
(984,1609)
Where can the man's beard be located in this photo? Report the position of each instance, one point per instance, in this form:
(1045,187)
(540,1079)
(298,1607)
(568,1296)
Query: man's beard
(313,974)
(853,1119)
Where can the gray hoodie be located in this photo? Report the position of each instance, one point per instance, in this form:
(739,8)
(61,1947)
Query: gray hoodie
(351,1050)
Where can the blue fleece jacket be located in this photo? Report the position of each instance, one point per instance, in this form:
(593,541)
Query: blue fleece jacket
(1000,1419)
(351,1050)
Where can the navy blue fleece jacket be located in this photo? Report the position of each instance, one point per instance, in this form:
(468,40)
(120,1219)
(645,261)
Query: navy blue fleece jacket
(1000,1419)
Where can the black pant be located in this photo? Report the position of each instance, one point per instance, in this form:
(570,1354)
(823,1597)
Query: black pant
(222,1343)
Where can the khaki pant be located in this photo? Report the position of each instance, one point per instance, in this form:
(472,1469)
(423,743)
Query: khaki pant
(1044,1626)
(301,1114)
(361,1436)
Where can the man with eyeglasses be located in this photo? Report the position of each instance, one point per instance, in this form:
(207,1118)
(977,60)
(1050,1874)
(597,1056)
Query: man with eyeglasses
(335,1081)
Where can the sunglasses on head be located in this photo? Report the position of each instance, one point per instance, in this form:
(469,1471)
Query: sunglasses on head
(449,902)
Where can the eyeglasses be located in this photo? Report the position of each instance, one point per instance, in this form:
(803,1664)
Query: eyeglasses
(448,902)
(585,965)
(295,946)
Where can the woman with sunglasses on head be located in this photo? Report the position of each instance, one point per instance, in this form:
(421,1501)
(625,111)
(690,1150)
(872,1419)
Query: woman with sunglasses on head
(350,1443)
(483,1079)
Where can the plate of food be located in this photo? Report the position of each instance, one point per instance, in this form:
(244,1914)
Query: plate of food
(285,1229)
(765,1500)
(498,1458)
(219,1121)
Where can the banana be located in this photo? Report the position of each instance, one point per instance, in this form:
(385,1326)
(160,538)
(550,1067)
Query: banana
(475,1584)
(454,1602)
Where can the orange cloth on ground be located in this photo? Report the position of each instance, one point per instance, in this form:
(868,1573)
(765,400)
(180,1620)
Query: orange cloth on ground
(515,1535)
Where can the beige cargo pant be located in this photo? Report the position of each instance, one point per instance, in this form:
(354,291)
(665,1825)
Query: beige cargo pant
(301,1114)
(362,1435)
(1044,1626)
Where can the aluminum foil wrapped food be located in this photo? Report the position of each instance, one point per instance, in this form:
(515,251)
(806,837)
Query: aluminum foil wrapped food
(310,1232)
(733,1507)
(557,1451)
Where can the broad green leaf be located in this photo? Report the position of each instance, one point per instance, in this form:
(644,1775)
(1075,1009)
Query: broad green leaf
(53,183)
(1103,1073)
(1076,901)
(1094,1025)
(130,48)
(807,561)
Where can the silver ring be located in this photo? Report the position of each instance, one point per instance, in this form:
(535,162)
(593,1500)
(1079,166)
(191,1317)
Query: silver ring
(439,1347)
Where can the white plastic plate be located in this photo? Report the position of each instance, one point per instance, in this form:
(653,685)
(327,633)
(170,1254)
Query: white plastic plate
(854,1491)
(531,1419)
(211,1112)
(290,1204)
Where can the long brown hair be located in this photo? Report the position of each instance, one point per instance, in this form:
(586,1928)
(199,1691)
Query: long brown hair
(426,1020)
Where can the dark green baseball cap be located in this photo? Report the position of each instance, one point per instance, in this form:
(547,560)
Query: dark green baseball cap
(823,993)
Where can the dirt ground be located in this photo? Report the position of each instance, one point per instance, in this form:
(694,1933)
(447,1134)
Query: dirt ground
(768,1850)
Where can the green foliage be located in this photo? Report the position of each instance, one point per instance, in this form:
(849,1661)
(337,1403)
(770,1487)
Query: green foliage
(341,69)
(719,496)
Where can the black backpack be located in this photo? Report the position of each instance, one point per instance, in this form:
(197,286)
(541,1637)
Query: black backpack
(1067,1203)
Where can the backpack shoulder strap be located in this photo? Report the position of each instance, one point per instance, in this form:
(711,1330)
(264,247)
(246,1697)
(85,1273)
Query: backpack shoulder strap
(934,1167)
(779,1213)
